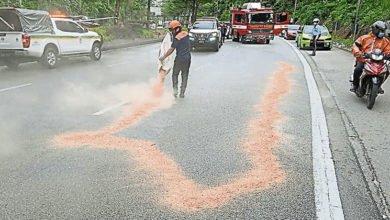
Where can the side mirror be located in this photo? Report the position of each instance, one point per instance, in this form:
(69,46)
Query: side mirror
(299,31)
(330,32)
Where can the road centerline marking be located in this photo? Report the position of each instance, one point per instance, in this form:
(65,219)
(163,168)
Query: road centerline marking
(110,108)
(15,87)
(327,195)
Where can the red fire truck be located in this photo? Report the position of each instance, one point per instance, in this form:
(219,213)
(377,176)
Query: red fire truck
(254,23)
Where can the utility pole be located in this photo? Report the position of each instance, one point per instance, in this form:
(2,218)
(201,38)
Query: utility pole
(356,19)
(148,15)
(117,8)
(295,9)
(216,14)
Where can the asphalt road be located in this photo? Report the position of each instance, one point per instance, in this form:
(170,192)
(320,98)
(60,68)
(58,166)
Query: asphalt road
(367,128)
(169,153)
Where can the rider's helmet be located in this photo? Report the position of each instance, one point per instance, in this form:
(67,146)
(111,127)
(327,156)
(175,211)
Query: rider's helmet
(316,21)
(379,28)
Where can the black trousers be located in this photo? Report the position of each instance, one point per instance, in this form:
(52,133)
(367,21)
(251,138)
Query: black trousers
(357,73)
(184,68)
(314,44)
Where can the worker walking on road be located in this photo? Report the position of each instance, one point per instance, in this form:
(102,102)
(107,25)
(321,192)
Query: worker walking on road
(223,32)
(316,32)
(181,43)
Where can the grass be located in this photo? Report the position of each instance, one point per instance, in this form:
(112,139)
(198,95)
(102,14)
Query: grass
(146,33)
(347,42)
(102,31)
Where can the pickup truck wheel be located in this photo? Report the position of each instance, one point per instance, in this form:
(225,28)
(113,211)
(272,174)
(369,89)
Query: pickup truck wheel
(216,47)
(50,57)
(96,52)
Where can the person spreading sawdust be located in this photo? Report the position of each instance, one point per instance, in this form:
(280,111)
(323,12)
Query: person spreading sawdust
(180,43)
(166,65)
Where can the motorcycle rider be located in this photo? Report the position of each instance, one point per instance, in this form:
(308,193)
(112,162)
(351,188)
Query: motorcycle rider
(366,44)
(316,32)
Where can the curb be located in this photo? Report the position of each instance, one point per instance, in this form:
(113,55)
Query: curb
(130,44)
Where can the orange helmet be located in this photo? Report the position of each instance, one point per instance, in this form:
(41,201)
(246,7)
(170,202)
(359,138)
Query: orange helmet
(174,24)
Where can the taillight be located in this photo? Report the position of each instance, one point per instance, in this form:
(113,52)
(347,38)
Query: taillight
(26,41)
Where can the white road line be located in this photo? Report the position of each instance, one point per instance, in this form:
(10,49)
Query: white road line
(327,196)
(101,112)
(15,87)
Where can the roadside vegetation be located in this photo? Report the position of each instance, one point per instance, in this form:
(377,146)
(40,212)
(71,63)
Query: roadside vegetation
(337,15)
(132,14)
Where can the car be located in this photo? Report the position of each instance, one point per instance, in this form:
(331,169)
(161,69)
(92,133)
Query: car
(152,26)
(291,32)
(304,38)
(33,35)
(206,34)
(166,24)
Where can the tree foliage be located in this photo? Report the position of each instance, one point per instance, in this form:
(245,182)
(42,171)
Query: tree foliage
(129,9)
(331,12)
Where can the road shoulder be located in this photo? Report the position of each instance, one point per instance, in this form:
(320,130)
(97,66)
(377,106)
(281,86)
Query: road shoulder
(358,184)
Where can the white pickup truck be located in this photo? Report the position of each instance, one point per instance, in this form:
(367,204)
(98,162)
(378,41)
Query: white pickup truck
(31,35)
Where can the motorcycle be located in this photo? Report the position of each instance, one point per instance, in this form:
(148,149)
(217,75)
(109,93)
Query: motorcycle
(375,72)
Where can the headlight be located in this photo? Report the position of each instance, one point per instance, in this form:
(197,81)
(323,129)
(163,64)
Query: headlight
(214,34)
(377,57)
(250,31)
(191,34)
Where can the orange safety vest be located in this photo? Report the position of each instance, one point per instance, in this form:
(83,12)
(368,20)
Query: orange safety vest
(368,44)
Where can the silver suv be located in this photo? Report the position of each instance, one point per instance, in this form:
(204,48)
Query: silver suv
(206,33)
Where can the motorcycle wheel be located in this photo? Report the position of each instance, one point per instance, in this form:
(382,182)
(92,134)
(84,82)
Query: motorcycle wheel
(373,93)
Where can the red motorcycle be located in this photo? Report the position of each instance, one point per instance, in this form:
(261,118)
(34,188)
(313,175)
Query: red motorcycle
(375,72)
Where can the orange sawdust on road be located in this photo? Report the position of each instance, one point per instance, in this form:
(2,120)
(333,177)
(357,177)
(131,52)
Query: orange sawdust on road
(179,192)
